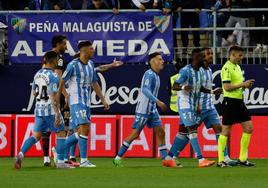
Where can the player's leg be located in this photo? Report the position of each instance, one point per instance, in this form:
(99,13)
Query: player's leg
(212,120)
(39,126)
(45,147)
(137,126)
(222,144)
(192,132)
(72,130)
(244,143)
(245,120)
(180,141)
(155,122)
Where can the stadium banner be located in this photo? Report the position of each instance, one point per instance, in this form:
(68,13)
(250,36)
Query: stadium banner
(126,36)
(102,137)
(258,147)
(121,88)
(5,135)
(105,135)
(207,141)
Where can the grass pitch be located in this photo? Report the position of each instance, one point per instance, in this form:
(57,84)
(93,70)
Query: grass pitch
(137,173)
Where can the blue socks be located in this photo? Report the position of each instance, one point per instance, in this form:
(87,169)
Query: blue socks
(226,149)
(71,140)
(179,144)
(195,144)
(72,150)
(60,146)
(163,151)
(123,149)
(82,142)
(28,144)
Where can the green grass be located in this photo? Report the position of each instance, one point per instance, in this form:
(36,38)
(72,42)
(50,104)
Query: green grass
(136,173)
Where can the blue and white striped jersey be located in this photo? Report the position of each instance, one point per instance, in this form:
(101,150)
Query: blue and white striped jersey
(45,83)
(205,101)
(191,77)
(148,94)
(78,78)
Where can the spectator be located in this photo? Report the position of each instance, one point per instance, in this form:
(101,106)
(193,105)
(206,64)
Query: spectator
(145,4)
(172,6)
(61,5)
(98,4)
(124,4)
(104,4)
(189,19)
(14,4)
(215,5)
(261,20)
(39,5)
(237,20)
(78,4)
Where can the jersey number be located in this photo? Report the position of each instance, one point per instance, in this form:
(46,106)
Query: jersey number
(41,95)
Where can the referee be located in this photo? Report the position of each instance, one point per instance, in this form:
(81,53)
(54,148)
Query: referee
(234,108)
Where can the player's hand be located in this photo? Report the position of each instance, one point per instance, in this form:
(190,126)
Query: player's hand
(106,105)
(198,110)
(142,8)
(248,83)
(57,120)
(187,88)
(116,63)
(161,105)
(166,10)
(66,105)
(217,91)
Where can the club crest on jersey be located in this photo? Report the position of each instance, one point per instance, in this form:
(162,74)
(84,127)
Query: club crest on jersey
(18,24)
(161,23)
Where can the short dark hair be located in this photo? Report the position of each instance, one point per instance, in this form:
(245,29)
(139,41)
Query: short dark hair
(153,55)
(235,48)
(205,48)
(57,39)
(83,44)
(50,56)
(196,51)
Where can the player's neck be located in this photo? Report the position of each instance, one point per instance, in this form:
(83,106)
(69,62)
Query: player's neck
(56,50)
(206,65)
(48,67)
(84,60)
(195,66)
(153,69)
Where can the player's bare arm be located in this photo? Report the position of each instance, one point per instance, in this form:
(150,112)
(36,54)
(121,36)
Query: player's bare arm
(97,89)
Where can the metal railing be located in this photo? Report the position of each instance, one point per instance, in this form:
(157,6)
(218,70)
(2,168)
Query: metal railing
(221,52)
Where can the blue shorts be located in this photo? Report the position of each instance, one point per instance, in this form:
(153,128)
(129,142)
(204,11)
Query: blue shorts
(189,117)
(210,117)
(80,114)
(71,124)
(152,120)
(47,123)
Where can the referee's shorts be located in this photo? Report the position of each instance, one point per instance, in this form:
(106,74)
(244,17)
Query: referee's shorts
(234,111)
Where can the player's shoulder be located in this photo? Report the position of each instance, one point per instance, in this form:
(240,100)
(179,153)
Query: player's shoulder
(150,73)
(91,64)
(73,63)
(185,69)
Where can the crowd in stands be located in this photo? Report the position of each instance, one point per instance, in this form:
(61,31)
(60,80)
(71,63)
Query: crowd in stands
(174,7)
